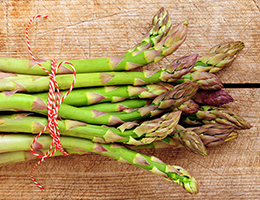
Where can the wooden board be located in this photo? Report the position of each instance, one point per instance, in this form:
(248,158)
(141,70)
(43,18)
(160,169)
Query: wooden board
(87,29)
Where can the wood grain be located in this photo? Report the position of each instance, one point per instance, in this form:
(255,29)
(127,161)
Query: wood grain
(94,28)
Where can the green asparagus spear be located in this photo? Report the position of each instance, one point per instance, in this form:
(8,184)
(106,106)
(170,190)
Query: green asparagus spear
(214,134)
(218,57)
(196,139)
(190,140)
(123,106)
(26,155)
(161,26)
(129,133)
(187,107)
(163,39)
(171,99)
(180,137)
(210,134)
(206,81)
(171,73)
(213,115)
(187,139)
(176,174)
(89,96)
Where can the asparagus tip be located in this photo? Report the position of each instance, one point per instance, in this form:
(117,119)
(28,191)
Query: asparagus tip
(192,186)
(185,22)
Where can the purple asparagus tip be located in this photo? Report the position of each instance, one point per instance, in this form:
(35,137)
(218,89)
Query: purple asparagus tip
(213,98)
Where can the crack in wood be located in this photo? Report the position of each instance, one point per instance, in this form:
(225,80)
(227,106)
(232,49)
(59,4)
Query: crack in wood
(241,85)
(256,5)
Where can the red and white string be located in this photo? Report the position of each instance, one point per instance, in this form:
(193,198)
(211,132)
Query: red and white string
(54,102)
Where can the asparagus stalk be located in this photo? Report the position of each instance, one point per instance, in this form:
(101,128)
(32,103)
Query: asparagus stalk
(89,96)
(171,99)
(218,57)
(206,97)
(6,75)
(129,133)
(171,73)
(209,140)
(26,155)
(213,115)
(163,39)
(187,107)
(176,174)
(123,106)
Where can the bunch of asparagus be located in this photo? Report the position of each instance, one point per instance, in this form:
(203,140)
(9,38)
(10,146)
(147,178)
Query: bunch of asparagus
(113,111)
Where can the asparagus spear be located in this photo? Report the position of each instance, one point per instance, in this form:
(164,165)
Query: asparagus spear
(206,81)
(26,155)
(176,174)
(89,96)
(213,115)
(173,98)
(213,98)
(190,140)
(210,134)
(118,96)
(188,107)
(214,134)
(163,39)
(129,133)
(161,26)
(123,106)
(206,97)
(171,73)
(218,57)
(209,140)
(144,133)
(181,137)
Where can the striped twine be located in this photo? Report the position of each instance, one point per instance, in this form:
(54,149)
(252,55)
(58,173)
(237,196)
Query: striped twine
(54,102)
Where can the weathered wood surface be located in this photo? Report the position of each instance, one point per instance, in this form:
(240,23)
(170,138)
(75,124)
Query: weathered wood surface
(87,29)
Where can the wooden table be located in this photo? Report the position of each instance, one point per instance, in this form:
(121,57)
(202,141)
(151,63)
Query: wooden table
(87,29)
